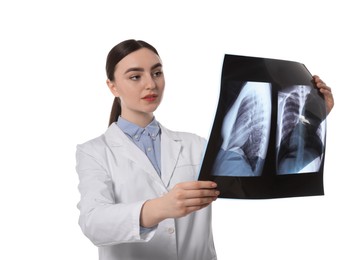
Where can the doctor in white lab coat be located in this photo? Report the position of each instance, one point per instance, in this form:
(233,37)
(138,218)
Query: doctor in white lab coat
(133,207)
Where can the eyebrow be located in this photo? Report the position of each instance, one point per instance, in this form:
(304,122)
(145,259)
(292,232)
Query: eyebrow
(141,69)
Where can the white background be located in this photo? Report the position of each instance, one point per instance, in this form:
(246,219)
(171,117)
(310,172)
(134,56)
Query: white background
(53,96)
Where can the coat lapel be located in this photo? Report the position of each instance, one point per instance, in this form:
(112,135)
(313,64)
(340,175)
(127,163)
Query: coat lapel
(122,147)
(170,151)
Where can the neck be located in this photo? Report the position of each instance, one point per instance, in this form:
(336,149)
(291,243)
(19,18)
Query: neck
(141,120)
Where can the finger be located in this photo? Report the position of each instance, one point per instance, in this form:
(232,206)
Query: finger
(196,185)
(326,90)
(321,82)
(191,209)
(199,202)
(201,193)
(318,80)
(322,86)
(184,194)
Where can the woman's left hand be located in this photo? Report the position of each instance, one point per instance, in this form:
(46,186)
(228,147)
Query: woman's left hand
(326,91)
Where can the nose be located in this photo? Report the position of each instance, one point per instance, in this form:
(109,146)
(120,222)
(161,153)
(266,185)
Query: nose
(150,82)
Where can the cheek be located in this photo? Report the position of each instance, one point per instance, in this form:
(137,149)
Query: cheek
(161,90)
(161,85)
(129,95)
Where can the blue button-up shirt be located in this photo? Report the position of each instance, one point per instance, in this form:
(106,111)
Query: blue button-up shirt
(147,139)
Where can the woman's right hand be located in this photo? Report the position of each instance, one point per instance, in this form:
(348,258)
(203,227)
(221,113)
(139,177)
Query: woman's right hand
(183,199)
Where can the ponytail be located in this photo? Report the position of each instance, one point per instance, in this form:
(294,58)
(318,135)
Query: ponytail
(115,111)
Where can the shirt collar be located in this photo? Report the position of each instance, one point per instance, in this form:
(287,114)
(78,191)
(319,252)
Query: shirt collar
(135,131)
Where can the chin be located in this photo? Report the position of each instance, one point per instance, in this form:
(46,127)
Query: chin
(153,107)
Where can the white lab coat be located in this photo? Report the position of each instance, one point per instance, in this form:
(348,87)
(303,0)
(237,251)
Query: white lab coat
(116,178)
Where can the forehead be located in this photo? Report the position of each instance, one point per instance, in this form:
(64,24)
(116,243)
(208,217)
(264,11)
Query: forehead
(142,58)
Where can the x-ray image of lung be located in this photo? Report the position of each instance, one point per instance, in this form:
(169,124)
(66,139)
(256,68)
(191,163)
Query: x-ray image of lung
(245,132)
(268,137)
(301,133)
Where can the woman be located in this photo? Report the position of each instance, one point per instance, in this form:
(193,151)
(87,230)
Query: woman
(139,194)
(139,197)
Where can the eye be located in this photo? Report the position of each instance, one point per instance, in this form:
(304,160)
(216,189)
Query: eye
(157,74)
(135,77)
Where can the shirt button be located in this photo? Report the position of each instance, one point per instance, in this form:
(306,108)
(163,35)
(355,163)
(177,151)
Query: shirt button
(149,149)
(171,230)
(136,136)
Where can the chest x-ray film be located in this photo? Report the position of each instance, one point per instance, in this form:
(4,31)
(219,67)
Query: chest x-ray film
(269,132)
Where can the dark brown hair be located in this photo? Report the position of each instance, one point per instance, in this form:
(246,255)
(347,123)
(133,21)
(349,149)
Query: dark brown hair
(116,54)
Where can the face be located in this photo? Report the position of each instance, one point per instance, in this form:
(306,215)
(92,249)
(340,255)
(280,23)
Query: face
(139,82)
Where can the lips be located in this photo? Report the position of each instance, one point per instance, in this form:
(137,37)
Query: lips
(150,97)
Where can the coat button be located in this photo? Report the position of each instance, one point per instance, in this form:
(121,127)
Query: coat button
(171,230)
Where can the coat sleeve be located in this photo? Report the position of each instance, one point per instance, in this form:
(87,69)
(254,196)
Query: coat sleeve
(102,220)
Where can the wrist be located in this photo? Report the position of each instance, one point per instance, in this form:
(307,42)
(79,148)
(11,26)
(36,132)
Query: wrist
(150,214)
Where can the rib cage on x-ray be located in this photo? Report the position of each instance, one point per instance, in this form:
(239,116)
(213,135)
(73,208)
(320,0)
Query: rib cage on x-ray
(291,115)
(292,110)
(248,130)
(246,126)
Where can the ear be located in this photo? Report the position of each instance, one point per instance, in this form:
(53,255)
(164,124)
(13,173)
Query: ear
(111,85)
